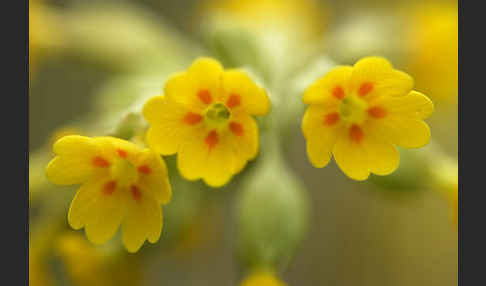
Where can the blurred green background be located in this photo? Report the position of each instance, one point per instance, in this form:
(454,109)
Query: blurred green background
(93,62)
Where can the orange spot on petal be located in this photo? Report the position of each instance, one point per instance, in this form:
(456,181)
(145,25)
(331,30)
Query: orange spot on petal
(356,133)
(331,119)
(136,194)
(365,88)
(192,118)
(212,139)
(144,169)
(100,162)
(377,112)
(236,128)
(122,153)
(205,96)
(233,101)
(338,92)
(109,188)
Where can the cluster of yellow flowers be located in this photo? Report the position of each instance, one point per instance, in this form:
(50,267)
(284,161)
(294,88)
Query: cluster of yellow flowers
(358,114)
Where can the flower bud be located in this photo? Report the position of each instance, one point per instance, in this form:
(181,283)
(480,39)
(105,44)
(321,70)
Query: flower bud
(272,212)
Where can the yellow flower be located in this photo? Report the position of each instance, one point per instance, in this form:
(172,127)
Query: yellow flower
(446,180)
(262,278)
(358,114)
(121,184)
(45,34)
(433,55)
(205,117)
(304,16)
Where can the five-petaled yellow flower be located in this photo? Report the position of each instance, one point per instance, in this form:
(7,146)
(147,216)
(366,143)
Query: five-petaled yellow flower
(205,117)
(358,114)
(121,184)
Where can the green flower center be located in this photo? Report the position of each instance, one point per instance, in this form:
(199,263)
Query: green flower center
(217,114)
(353,109)
(124,172)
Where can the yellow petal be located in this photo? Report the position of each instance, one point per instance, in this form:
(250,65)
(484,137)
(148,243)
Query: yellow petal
(320,138)
(75,145)
(73,163)
(168,130)
(192,155)
(351,159)
(215,165)
(245,146)
(69,170)
(371,154)
(253,99)
(205,74)
(142,221)
(98,212)
(329,87)
(220,162)
(404,132)
(383,158)
(156,181)
(413,105)
(382,78)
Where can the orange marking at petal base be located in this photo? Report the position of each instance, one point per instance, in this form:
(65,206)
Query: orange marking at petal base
(331,119)
(233,101)
(365,88)
(122,153)
(377,112)
(100,162)
(338,92)
(136,194)
(236,128)
(212,139)
(192,118)
(205,96)
(144,169)
(356,133)
(109,188)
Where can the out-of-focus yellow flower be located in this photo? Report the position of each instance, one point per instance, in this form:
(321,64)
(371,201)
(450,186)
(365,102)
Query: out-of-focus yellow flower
(44,32)
(82,261)
(121,184)
(446,179)
(304,16)
(88,265)
(38,274)
(358,114)
(433,56)
(262,278)
(205,117)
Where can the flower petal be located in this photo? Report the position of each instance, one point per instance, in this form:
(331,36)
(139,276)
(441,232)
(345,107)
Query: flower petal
(404,132)
(192,155)
(376,77)
(413,105)
(73,165)
(168,129)
(220,162)
(246,144)
(320,137)
(332,86)
(216,164)
(251,98)
(383,158)
(98,212)
(371,154)
(155,180)
(202,78)
(142,221)
(69,170)
(351,158)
